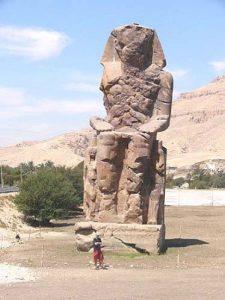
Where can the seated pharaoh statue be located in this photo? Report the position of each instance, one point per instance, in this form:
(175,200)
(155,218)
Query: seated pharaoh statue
(125,165)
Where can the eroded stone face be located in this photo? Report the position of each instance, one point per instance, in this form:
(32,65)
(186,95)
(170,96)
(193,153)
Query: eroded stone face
(125,168)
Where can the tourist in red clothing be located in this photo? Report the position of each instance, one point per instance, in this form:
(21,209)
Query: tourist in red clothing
(97,254)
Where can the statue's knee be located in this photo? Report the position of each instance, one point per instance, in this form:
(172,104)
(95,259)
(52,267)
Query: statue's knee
(107,147)
(107,139)
(107,177)
(139,150)
(139,141)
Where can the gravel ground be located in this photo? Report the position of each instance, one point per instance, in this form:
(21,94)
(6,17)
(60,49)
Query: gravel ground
(11,273)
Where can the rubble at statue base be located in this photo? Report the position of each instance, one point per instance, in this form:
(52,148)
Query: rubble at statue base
(125,165)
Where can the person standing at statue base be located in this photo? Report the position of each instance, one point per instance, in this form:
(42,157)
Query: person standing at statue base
(97,253)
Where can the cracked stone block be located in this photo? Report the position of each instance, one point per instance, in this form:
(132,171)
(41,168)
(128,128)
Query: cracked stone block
(121,237)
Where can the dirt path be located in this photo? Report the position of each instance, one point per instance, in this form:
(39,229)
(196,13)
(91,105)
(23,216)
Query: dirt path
(120,284)
(192,268)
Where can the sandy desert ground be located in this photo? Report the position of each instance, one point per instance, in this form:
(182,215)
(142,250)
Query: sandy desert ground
(193,267)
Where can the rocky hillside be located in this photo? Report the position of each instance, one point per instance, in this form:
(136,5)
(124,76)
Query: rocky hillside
(10,218)
(67,149)
(196,133)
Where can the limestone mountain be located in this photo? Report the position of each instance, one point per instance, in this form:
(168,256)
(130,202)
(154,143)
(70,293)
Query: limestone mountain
(67,149)
(197,127)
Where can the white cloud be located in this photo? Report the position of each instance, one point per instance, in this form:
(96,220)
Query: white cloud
(11,96)
(67,106)
(83,82)
(32,43)
(25,117)
(50,108)
(17,103)
(14,132)
(218,65)
(179,73)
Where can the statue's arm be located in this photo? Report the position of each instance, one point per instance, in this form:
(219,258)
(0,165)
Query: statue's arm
(111,75)
(100,124)
(161,119)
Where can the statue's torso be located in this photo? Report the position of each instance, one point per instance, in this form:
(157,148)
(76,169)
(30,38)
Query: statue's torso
(129,99)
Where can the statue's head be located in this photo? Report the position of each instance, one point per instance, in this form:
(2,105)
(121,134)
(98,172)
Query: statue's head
(135,46)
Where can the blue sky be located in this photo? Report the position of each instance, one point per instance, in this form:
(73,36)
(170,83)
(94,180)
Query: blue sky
(50,52)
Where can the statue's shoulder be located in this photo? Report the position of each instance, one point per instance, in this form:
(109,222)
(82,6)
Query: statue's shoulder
(166,74)
(166,79)
(112,70)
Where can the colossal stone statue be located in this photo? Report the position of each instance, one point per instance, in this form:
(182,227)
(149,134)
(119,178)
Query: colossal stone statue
(124,178)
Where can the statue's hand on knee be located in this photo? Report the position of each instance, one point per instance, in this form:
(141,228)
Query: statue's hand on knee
(155,125)
(100,124)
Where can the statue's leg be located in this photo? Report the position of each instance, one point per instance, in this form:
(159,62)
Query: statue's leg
(107,175)
(157,195)
(139,151)
(154,205)
(90,177)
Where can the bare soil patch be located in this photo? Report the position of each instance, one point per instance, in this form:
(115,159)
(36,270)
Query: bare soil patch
(193,266)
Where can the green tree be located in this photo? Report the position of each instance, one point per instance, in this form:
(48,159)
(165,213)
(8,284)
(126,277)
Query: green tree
(218,180)
(10,175)
(46,165)
(46,195)
(75,175)
(199,184)
(179,181)
(169,182)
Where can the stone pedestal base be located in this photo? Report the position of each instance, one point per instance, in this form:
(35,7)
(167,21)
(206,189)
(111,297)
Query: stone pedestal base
(121,237)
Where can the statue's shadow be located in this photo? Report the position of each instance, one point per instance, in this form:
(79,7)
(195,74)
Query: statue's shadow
(180,243)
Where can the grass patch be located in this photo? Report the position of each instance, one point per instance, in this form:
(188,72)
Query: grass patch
(124,254)
(173,251)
